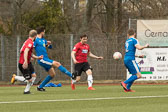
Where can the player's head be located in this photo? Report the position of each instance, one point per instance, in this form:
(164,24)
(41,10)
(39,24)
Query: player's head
(33,34)
(84,38)
(131,32)
(41,30)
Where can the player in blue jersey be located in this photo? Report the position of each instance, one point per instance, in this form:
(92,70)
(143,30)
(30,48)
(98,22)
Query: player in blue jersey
(40,45)
(131,45)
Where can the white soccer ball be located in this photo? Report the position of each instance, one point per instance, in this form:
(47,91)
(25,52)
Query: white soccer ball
(117,55)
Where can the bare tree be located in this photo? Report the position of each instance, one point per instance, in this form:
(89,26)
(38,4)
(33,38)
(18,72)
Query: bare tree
(13,12)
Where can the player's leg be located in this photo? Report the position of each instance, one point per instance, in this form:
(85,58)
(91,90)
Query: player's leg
(29,84)
(129,87)
(133,69)
(61,68)
(131,79)
(130,83)
(49,77)
(90,79)
(30,76)
(77,74)
(18,78)
(47,65)
(88,71)
(73,81)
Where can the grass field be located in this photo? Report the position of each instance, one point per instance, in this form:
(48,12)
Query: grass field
(106,98)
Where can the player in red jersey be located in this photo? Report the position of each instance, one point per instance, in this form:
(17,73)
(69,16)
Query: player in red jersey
(79,55)
(25,66)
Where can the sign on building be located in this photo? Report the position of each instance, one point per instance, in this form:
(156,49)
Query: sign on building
(155,65)
(154,32)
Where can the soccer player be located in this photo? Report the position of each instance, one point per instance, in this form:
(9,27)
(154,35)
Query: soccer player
(40,46)
(25,65)
(131,45)
(79,55)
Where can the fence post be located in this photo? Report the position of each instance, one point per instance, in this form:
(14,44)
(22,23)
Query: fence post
(2,57)
(71,47)
(129,23)
(18,52)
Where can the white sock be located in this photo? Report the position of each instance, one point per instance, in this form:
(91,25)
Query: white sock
(20,78)
(33,79)
(29,84)
(73,81)
(90,80)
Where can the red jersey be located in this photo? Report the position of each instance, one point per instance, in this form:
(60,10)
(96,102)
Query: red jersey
(82,51)
(27,44)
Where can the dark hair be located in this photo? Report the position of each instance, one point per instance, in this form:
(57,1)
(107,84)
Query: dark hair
(40,29)
(131,32)
(83,36)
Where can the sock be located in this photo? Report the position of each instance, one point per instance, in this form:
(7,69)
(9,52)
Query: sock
(20,78)
(28,86)
(131,79)
(73,81)
(33,79)
(64,70)
(45,81)
(90,80)
(129,85)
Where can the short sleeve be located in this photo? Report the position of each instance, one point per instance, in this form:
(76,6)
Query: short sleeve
(29,45)
(75,47)
(136,42)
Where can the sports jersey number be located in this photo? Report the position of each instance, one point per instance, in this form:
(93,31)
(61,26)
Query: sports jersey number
(126,46)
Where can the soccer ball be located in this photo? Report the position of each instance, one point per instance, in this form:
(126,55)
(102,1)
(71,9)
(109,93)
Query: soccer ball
(117,55)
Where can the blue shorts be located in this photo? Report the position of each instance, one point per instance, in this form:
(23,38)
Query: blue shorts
(46,63)
(132,66)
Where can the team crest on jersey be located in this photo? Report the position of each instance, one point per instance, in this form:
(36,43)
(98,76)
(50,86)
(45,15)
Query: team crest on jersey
(30,45)
(74,48)
(44,45)
(84,51)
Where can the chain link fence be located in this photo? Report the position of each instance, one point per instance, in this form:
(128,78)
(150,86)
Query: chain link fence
(101,45)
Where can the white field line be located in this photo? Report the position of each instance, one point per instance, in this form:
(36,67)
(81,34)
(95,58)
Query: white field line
(85,99)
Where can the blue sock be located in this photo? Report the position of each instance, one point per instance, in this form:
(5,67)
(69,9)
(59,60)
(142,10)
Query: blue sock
(64,70)
(45,81)
(131,79)
(129,85)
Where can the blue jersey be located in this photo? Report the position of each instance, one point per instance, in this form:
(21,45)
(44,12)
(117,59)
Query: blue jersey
(40,47)
(130,48)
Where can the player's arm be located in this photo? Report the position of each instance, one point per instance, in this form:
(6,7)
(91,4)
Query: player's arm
(139,47)
(37,57)
(25,64)
(73,57)
(49,44)
(140,56)
(94,56)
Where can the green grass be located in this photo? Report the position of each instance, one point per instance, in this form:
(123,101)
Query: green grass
(119,101)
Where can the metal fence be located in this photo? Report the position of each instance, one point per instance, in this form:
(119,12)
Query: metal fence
(101,44)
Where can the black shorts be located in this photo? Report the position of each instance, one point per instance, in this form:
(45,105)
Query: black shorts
(27,73)
(79,67)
